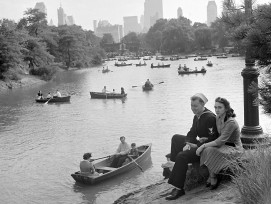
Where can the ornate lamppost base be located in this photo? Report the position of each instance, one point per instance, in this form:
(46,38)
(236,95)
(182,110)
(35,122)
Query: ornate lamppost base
(251,141)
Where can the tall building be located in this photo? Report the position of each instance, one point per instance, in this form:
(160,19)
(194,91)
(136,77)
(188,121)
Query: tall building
(61,16)
(211,12)
(153,10)
(94,26)
(41,7)
(179,12)
(130,24)
(63,19)
(51,23)
(142,22)
(104,27)
(70,20)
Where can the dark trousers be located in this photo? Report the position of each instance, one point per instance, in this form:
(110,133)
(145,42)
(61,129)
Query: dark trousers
(118,161)
(182,159)
(166,173)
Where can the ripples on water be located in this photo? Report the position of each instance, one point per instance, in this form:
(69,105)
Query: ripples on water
(41,145)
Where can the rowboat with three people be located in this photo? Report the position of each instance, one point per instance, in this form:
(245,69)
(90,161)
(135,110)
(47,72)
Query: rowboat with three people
(160,66)
(54,99)
(102,95)
(107,172)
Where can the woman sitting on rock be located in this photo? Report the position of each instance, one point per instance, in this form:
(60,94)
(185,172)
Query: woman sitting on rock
(216,155)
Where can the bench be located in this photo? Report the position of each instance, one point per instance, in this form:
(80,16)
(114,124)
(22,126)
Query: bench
(105,168)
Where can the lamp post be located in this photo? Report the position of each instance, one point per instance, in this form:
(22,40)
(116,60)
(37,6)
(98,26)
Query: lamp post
(251,132)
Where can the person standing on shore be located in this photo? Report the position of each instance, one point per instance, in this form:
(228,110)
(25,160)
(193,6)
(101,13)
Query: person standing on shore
(183,148)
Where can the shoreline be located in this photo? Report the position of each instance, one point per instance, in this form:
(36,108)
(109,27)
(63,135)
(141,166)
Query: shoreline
(156,193)
(25,80)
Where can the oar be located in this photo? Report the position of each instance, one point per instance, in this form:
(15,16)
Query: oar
(47,101)
(135,163)
(101,158)
(153,84)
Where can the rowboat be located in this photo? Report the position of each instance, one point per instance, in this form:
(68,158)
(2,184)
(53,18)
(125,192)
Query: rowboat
(209,64)
(122,64)
(147,88)
(192,71)
(54,99)
(105,70)
(107,172)
(101,95)
(160,65)
(200,59)
(220,57)
(141,64)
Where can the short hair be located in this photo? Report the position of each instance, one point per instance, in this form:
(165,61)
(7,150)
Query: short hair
(87,155)
(122,137)
(133,144)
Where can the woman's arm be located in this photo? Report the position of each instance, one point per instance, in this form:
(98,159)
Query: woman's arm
(227,131)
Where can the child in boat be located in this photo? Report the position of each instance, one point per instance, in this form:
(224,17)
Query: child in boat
(86,166)
(49,95)
(122,90)
(133,153)
(167,167)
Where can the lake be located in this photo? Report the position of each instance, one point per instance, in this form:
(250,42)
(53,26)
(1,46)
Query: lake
(41,145)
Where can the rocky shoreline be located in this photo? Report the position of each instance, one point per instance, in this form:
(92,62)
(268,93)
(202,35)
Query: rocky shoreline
(156,193)
(25,80)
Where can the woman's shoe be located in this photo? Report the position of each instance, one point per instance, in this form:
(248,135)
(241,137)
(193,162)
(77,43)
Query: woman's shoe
(208,182)
(214,186)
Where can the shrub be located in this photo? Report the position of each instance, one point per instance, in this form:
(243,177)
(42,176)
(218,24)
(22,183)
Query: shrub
(252,176)
(46,73)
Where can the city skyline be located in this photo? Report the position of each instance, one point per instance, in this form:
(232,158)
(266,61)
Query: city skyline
(114,11)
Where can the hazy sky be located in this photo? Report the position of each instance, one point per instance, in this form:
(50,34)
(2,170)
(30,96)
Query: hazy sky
(85,11)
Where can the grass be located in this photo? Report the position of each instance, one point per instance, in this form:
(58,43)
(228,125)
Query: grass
(252,176)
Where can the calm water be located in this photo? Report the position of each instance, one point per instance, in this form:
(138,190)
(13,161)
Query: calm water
(41,145)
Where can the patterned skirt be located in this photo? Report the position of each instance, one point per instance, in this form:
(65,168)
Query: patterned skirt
(218,158)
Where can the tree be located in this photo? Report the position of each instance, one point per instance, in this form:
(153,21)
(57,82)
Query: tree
(203,37)
(35,22)
(10,46)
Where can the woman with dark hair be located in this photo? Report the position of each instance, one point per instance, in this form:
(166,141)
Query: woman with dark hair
(86,166)
(216,155)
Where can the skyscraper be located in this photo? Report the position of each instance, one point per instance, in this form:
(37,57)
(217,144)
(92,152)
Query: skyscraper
(179,12)
(69,20)
(211,12)
(63,19)
(41,7)
(105,27)
(61,16)
(130,24)
(153,10)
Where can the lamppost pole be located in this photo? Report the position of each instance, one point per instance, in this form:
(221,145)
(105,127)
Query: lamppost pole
(251,131)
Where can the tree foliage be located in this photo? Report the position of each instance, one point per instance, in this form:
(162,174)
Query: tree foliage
(33,41)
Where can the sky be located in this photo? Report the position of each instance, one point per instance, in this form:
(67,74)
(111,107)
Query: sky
(85,11)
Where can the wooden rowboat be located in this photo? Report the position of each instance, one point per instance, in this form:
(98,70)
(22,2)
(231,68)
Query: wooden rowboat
(122,64)
(54,99)
(160,66)
(101,95)
(147,88)
(110,172)
(203,71)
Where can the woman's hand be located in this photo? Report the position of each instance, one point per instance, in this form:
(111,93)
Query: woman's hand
(199,150)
